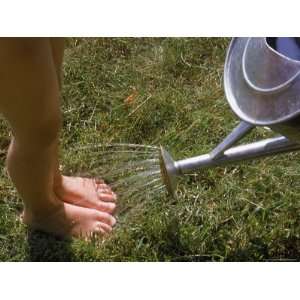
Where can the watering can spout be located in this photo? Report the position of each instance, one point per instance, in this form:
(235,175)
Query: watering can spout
(170,169)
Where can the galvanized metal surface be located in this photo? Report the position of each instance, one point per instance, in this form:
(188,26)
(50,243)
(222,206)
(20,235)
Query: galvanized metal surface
(237,133)
(258,149)
(262,86)
(172,169)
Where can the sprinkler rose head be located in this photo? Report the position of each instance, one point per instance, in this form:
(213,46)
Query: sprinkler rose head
(168,171)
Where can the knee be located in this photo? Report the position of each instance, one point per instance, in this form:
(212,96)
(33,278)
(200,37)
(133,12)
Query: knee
(47,131)
(43,134)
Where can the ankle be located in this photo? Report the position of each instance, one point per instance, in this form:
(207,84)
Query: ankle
(37,213)
(58,180)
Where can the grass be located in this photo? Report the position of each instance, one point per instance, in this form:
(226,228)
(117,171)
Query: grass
(163,91)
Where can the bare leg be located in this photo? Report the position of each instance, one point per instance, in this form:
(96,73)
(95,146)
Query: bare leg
(57,48)
(84,192)
(29,100)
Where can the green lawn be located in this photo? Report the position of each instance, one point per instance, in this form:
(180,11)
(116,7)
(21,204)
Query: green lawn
(246,212)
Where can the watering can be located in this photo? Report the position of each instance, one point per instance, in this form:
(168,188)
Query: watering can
(262,87)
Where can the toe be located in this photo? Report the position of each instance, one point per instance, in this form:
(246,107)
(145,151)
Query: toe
(106,218)
(99,181)
(103,228)
(104,187)
(107,197)
(108,207)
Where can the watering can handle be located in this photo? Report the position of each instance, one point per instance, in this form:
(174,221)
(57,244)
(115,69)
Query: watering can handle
(237,133)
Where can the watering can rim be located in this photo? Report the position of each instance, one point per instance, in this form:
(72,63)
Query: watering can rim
(240,87)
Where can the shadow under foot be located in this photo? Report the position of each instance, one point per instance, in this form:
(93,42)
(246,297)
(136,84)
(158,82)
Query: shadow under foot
(45,247)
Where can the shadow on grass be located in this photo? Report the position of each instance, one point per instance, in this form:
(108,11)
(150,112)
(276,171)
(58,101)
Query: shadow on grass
(43,247)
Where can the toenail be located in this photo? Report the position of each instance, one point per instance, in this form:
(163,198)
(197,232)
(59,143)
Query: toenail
(106,196)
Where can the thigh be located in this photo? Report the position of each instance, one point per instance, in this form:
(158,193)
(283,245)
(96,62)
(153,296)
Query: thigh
(28,85)
(58,47)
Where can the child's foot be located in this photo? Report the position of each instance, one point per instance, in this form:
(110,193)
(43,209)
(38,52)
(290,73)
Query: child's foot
(71,220)
(86,192)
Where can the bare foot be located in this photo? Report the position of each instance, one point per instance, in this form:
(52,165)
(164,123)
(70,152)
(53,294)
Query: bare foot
(71,220)
(86,192)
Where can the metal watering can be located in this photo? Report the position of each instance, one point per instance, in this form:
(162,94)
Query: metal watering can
(262,87)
